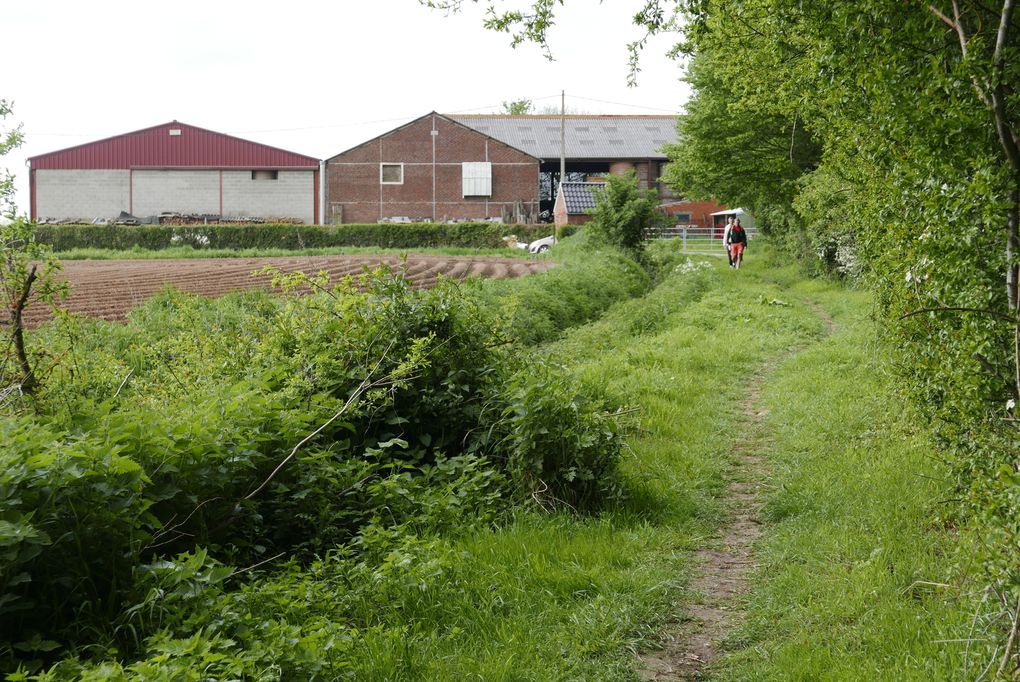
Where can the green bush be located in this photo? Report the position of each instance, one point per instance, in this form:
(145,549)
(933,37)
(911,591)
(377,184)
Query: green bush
(269,236)
(623,213)
(585,283)
(254,426)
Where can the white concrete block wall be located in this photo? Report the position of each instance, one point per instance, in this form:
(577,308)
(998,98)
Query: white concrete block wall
(81,194)
(178,191)
(290,195)
(87,194)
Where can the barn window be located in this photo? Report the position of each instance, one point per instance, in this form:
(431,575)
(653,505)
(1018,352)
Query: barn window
(265,175)
(391,173)
(682,218)
(477,178)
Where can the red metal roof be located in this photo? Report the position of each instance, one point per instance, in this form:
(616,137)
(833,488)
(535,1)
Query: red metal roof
(160,147)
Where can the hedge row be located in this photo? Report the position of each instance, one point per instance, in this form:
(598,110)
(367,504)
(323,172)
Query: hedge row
(265,236)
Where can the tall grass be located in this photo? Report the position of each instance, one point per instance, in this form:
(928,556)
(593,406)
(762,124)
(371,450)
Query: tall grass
(538,595)
(855,578)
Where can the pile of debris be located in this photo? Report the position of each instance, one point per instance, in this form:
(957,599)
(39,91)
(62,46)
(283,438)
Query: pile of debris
(172,219)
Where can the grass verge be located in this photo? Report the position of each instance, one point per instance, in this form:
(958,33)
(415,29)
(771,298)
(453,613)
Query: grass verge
(852,578)
(559,596)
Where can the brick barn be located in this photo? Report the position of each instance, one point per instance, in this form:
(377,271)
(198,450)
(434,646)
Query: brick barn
(432,168)
(174,168)
(595,145)
(694,213)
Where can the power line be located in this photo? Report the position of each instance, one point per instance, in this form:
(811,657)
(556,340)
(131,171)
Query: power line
(621,104)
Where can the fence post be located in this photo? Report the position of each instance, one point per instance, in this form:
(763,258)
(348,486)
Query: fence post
(683,237)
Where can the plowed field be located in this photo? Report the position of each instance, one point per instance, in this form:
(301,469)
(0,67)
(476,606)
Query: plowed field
(109,289)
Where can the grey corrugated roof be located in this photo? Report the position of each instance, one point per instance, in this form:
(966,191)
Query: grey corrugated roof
(580,196)
(587,137)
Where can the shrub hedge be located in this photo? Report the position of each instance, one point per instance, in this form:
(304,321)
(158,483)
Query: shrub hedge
(252,427)
(399,236)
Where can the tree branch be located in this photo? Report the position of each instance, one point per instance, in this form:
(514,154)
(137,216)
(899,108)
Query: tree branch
(959,309)
(1011,641)
(1007,137)
(953,24)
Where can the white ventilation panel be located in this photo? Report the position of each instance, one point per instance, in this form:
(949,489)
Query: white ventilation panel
(477,178)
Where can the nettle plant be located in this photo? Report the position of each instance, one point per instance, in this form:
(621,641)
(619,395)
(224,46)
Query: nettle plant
(260,428)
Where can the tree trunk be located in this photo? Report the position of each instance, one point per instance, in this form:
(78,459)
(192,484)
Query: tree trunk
(18,334)
(1013,246)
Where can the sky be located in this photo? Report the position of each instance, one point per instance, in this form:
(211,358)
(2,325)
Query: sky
(315,78)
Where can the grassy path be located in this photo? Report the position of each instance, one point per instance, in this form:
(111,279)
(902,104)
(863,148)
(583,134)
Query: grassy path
(732,371)
(786,482)
(779,499)
(781,522)
(721,569)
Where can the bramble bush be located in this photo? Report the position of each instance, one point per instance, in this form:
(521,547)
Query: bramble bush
(206,434)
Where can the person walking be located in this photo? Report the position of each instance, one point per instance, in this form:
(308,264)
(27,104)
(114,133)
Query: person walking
(726,239)
(737,241)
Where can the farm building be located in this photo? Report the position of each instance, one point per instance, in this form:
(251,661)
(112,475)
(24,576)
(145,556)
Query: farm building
(174,168)
(432,168)
(574,201)
(694,213)
(594,145)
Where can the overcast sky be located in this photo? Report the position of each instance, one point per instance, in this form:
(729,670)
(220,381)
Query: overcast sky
(311,77)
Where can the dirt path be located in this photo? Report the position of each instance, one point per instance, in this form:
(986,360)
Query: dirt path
(720,572)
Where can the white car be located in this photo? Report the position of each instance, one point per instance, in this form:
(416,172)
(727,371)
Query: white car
(541,245)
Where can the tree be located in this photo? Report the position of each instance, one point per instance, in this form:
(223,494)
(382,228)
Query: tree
(518,107)
(622,213)
(530,23)
(9,141)
(737,153)
(27,275)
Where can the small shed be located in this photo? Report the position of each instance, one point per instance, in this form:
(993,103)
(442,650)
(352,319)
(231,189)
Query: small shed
(746,219)
(575,201)
(173,168)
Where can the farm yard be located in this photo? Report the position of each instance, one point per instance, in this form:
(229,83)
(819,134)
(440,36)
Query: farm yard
(261,443)
(108,289)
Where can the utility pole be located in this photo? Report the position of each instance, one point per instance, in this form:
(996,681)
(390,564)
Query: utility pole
(563,134)
(563,157)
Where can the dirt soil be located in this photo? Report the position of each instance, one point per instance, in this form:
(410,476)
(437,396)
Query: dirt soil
(108,289)
(721,571)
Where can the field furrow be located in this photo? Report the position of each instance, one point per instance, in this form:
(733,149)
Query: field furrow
(109,289)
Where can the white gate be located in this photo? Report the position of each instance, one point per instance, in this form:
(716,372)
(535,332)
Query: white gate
(696,240)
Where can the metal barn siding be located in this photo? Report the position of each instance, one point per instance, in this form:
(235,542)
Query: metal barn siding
(173,167)
(158,147)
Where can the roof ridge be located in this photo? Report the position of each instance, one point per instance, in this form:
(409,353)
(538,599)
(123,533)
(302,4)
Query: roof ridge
(575,116)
